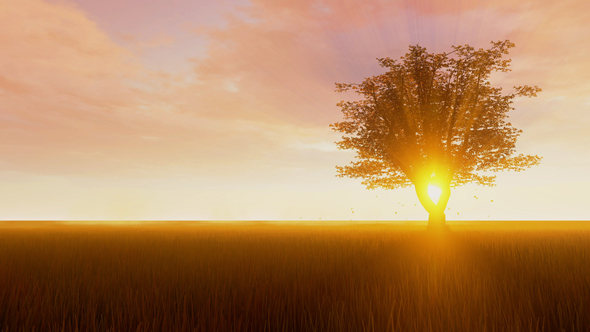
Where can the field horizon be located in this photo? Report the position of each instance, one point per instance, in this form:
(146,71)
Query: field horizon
(459,224)
(314,276)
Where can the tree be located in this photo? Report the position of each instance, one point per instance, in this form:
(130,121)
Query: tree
(433,119)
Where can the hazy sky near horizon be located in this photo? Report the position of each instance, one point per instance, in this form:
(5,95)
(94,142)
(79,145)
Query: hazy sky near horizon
(216,110)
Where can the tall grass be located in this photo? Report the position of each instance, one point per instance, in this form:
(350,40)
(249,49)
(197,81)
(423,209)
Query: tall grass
(292,278)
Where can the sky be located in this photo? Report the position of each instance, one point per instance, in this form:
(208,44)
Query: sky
(220,110)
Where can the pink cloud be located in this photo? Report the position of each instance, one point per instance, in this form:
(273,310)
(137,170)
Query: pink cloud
(76,100)
(73,100)
(285,56)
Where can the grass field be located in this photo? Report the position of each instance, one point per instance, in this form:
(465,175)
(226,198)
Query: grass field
(521,276)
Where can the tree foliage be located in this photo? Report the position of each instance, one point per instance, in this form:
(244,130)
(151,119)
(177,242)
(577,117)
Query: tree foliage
(433,118)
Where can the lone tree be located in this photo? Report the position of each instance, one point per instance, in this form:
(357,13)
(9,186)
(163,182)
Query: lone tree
(433,119)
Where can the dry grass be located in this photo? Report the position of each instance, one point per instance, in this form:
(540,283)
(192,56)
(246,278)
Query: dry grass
(293,278)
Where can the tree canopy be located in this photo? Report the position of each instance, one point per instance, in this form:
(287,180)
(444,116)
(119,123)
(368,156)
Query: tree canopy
(433,118)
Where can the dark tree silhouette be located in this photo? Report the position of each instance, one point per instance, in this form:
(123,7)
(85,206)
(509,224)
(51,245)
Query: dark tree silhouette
(433,119)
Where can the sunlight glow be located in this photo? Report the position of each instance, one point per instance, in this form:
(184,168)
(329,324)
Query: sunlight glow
(434,193)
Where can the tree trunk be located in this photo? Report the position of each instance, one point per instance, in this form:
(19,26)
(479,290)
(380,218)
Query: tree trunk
(436,212)
(436,218)
(436,223)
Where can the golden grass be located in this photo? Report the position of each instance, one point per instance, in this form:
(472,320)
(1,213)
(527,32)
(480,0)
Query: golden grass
(264,277)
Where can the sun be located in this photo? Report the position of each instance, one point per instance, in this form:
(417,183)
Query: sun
(434,193)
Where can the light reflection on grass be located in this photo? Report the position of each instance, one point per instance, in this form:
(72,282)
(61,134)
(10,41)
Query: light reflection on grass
(185,276)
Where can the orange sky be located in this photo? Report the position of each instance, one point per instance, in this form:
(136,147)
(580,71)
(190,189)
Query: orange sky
(178,109)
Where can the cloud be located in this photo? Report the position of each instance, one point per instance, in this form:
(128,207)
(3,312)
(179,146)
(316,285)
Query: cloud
(77,101)
(62,82)
(157,41)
